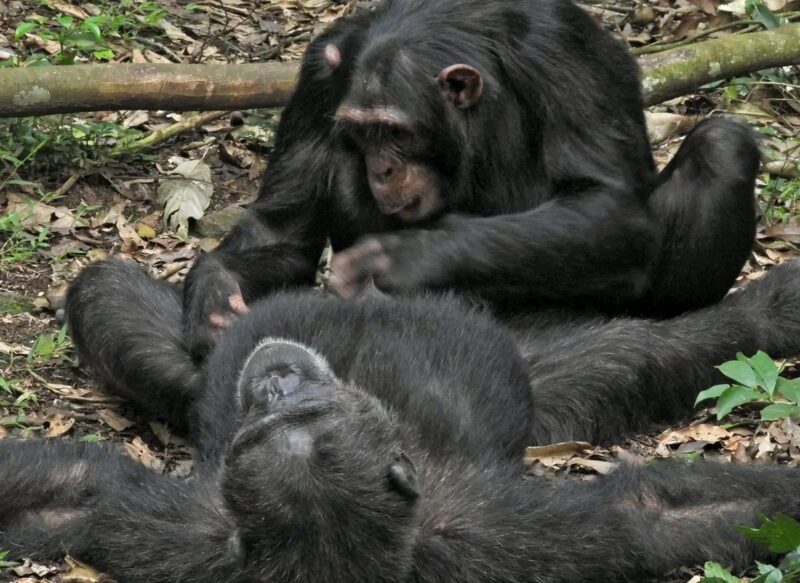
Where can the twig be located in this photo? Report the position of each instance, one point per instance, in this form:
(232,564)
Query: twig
(659,46)
(170,54)
(71,181)
(162,135)
(173,269)
(751,26)
(787,168)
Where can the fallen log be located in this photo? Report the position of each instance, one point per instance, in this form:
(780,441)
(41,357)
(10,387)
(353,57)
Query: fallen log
(176,87)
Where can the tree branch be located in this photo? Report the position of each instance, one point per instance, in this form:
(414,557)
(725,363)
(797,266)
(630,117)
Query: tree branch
(76,88)
(682,70)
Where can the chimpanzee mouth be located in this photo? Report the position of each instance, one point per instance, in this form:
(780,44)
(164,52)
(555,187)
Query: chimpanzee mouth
(259,431)
(404,210)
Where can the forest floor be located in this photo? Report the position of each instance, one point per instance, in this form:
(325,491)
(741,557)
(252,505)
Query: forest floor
(67,199)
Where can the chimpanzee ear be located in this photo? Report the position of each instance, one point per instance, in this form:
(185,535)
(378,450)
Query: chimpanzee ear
(403,476)
(462,84)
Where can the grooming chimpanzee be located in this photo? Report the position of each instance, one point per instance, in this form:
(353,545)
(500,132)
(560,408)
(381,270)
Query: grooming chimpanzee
(380,440)
(494,147)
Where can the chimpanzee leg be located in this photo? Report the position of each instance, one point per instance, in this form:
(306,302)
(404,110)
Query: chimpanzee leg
(608,378)
(96,503)
(48,489)
(645,522)
(706,209)
(127,328)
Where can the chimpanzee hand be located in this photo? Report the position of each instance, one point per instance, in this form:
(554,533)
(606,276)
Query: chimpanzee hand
(401,261)
(212,301)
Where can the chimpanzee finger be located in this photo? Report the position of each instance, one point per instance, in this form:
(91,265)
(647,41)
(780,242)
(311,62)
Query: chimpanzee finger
(217,320)
(353,267)
(237,304)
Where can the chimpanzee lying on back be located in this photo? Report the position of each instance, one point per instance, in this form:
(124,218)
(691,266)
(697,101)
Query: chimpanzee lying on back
(495,147)
(379,440)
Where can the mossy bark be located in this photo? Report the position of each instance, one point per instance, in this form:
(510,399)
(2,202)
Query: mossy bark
(46,90)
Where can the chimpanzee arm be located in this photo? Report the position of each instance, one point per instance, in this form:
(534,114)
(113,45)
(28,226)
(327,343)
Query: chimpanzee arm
(279,241)
(594,245)
(633,524)
(111,512)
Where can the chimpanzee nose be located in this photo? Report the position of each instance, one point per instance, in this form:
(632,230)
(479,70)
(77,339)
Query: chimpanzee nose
(383,169)
(276,370)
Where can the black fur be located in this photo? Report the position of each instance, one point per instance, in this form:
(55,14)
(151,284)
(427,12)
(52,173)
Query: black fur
(550,192)
(389,450)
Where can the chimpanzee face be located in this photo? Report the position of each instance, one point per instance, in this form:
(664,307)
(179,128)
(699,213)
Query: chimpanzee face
(405,124)
(403,182)
(313,452)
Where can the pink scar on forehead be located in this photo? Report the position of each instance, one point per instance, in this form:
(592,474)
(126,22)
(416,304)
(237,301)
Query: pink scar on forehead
(378,115)
(333,56)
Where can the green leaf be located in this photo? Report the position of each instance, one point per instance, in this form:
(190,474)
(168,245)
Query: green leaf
(92,27)
(739,371)
(735,396)
(790,562)
(789,389)
(767,574)
(104,55)
(716,573)
(711,393)
(779,411)
(44,346)
(5,564)
(756,10)
(24,29)
(765,369)
(65,20)
(780,534)
(92,438)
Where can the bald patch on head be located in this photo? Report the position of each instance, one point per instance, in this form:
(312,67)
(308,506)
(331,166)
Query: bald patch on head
(55,517)
(333,56)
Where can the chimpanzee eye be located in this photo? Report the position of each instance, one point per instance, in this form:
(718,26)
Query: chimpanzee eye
(397,134)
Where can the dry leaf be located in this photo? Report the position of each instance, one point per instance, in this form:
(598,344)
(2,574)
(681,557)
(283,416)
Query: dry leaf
(31,568)
(145,231)
(37,214)
(139,451)
(13,349)
(70,9)
(79,572)
(702,432)
(765,446)
(238,155)
(130,238)
(186,195)
(661,125)
(86,395)
(58,424)
(555,454)
(136,119)
(599,466)
(114,420)
(182,469)
(110,218)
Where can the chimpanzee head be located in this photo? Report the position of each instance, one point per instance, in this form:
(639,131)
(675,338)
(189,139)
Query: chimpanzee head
(315,477)
(407,118)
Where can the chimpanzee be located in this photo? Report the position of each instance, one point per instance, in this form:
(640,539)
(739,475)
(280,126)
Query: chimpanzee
(380,440)
(491,147)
